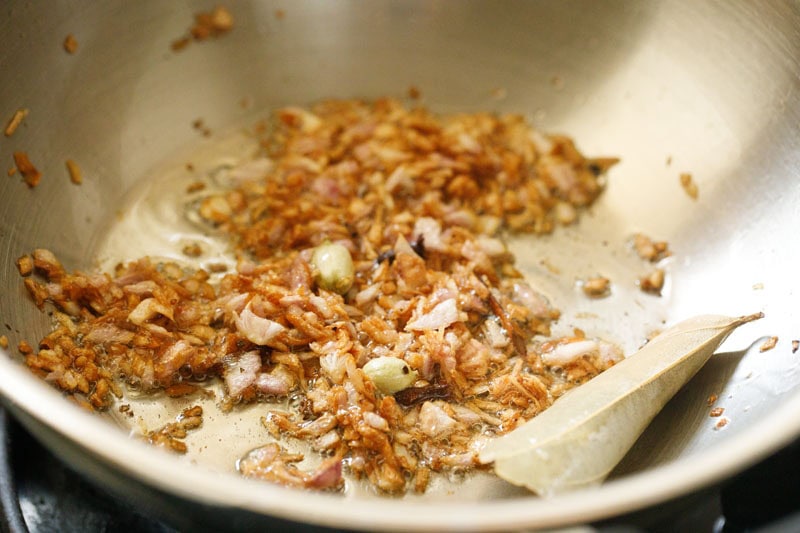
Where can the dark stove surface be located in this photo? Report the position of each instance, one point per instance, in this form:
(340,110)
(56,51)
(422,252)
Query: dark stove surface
(39,494)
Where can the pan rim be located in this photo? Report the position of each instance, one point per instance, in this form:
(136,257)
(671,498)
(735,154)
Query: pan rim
(160,470)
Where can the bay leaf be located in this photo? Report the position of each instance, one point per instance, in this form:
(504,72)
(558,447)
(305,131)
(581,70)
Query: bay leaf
(578,440)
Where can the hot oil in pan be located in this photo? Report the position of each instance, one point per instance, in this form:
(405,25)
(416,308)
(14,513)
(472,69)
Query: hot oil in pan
(160,221)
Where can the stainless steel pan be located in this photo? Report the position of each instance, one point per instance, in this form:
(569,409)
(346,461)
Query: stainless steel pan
(710,88)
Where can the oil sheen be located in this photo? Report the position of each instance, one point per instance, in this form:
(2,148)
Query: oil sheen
(159,220)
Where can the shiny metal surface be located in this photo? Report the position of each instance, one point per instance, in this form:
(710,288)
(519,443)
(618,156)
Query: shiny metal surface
(670,87)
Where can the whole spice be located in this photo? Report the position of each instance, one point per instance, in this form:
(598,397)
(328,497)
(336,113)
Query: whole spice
(334,267)
(579,440)
(390,374)
(414,395)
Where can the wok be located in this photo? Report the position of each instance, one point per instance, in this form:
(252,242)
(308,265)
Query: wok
(707,88)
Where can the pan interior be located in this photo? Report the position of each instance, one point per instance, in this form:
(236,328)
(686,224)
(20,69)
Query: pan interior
(620,78)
